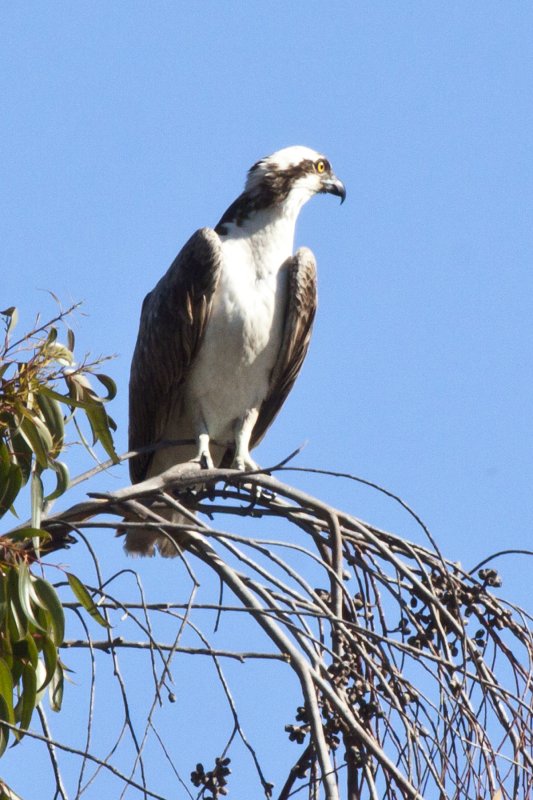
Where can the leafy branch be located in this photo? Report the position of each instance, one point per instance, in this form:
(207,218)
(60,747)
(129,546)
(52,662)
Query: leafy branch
(42,390)
(34,411)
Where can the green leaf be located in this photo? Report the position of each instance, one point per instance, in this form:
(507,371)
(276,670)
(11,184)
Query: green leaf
(28,698)
(109,384)
(33,653)
(4,732)
(37,492)
(7,468)
(61,398)
(36,434)
(81,390)
(86,600)
(71,339)
(52,336)
(3,601)
(9,488)
(6,651)
(17,620)
(46,597)
(5,462)
(49,651)
(62,479)
(6,692)
(13,316)
(23,453)
(53,417)
(55,689)
(25,594)
(99,423)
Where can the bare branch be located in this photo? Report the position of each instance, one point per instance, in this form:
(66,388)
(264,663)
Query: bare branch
(416,679)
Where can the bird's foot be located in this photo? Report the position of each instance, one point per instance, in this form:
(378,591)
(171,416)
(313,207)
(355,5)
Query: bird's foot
(245,464)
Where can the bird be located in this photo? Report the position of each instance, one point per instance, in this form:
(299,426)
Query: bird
(224,333)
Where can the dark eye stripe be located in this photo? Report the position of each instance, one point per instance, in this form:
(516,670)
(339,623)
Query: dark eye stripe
(273,188)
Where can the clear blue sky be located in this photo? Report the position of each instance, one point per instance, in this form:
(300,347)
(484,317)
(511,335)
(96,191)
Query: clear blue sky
(126,126)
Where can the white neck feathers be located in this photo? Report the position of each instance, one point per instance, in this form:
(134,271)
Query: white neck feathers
(267,235)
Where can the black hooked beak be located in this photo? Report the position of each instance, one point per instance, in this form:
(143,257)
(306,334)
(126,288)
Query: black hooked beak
(332,185)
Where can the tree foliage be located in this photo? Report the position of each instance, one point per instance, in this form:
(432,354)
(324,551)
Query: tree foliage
(42,391)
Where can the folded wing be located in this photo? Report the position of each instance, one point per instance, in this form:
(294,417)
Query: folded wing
(173,321)
(301,308)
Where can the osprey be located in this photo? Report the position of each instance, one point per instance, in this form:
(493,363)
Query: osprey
(224,333)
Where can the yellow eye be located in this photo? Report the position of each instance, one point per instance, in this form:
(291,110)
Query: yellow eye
(320,166)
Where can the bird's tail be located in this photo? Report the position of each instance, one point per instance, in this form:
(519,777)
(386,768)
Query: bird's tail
(146,541)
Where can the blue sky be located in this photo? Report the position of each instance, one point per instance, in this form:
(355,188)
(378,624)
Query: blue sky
(126,126)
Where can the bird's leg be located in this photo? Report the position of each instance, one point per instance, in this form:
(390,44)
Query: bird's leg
(204,455)
(243,432)
(243,461)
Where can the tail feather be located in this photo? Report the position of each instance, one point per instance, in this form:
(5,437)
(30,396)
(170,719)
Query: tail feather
(145,541)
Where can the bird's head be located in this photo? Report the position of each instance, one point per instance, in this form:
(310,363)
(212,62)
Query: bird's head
(298,172)
(282,183)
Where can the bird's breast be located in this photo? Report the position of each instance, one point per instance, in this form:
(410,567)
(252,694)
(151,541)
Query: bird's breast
(241,342)
(245,324)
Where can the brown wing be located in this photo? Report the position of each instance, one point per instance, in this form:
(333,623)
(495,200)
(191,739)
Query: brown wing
(301,308)
(173,321)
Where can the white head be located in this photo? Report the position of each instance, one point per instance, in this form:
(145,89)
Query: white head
(297,169)
(282,183)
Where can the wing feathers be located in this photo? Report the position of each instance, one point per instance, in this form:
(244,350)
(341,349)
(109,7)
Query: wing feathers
(173,320)
(301,308)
